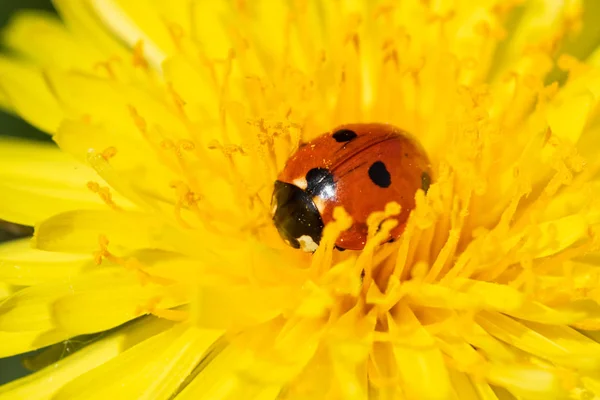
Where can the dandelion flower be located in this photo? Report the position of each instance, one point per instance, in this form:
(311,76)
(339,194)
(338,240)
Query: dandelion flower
(155,270)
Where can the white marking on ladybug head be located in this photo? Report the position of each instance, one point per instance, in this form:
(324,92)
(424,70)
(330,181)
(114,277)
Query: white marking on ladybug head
(301,183)
(320,204)
(307,244)
(274,205)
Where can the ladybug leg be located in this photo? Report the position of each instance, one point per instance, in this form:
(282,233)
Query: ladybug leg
(390,240)
(339,248)
(425,182)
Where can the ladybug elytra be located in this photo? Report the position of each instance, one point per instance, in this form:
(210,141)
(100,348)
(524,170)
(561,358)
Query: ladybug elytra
(361,167)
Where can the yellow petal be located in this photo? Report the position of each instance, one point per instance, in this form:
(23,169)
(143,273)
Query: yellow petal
(230,306)
(84,24)
(193,83)
(466,294)
(25,89)
(349,378)
(209,27)
(13,343)
(99,309)
(56,352)
(562,345)
(582,86)
(79,232)
(28,207)
(109,102)
(279,351)
(153,369)
(44,384)
(550,237)
(30,309)
(534,19)
(468,388)
(220,379)
(572,202)
(529,382)
(316,379)
(5,290)
(38,180)
(175,14)
(43,38)
(23,266)
(130,160)
(134,21)
(419,366)
(569,313)
(568,117)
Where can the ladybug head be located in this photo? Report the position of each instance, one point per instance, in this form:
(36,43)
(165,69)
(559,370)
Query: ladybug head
(296,217)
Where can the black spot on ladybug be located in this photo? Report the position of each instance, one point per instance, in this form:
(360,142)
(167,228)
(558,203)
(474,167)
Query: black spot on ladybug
(302,144)
(319,182)
(380,175)
(344,135)
(425,181)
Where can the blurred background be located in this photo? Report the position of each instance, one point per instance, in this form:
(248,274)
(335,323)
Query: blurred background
(10,125)
(12,368)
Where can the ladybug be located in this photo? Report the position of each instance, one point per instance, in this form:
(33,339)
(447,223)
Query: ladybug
(361,167)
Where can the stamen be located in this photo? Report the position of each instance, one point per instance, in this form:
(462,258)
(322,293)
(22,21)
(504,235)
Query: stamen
(227,150)
(487,30)
(190,200)
(382,372)
(502,8)
(459,211)
(573,66)
(322,259)
(140,122)
(411,234)
(567,163)
(185,199)
(104,193)
(100,254)
(139,59)
(177,34)
(379,228)
(463,358)
(131,264)
(179,149)
(109,153)
(177,100)
(555,260)
(107,67)
(266,139)
(223,95)
(169,314)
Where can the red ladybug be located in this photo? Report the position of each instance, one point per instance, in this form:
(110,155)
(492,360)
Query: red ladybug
(360,167)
